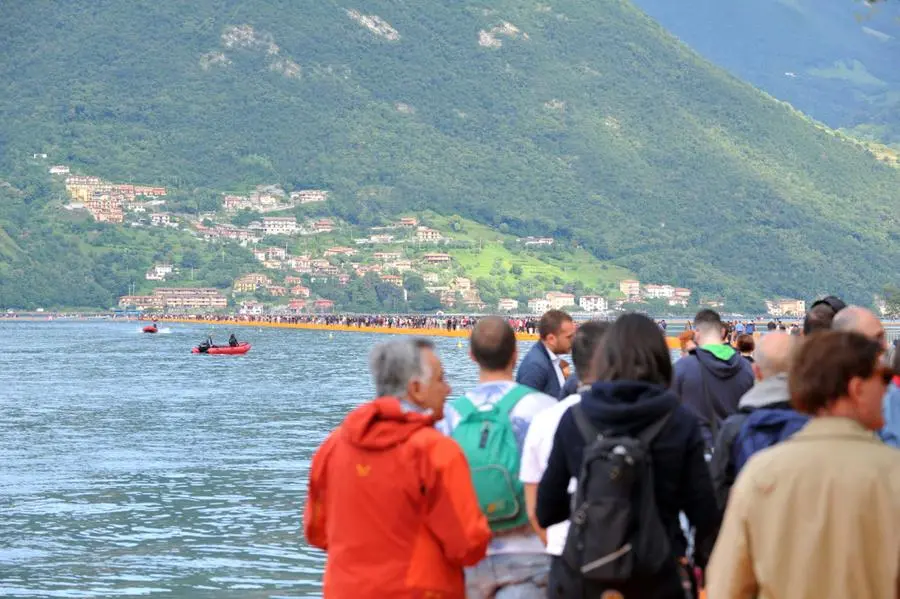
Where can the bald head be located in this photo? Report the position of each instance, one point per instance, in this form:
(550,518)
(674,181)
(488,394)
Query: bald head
(773,355)
(860,320)
(493,344)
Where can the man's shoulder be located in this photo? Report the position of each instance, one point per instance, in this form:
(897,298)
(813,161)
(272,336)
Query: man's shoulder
(531,403)
(685,363)
(540,398)
(537,353)
(438,446)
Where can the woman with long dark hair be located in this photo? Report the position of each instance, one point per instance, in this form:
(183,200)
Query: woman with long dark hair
(632,396)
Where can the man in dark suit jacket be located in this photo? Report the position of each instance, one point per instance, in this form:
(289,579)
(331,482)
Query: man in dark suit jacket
(540,368)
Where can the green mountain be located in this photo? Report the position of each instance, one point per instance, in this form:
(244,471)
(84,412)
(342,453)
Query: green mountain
(835,60)
(580,120)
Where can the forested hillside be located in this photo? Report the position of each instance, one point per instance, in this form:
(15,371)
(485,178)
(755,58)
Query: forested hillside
(56,258)
(833,59)
(574,119)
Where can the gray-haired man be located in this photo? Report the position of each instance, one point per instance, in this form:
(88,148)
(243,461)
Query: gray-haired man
(390,498)
(772,360)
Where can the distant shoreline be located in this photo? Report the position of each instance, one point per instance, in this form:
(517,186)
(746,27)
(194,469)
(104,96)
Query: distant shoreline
(672,342)
(340,328)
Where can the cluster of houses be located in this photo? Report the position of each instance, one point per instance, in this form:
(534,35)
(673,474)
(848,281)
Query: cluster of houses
(785,307)
(635,292)
(272,198)
(107,202)
(459,292)
(387,234)
(177,299)
(267,226)
(557,300)
(293,286)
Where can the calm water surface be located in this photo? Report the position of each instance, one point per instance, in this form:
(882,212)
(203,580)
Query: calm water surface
(129,466)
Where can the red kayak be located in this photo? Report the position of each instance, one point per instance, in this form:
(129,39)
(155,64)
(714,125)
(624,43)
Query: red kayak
(241,348)
(149,329)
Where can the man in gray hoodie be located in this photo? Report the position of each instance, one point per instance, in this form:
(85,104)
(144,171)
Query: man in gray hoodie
(772,359)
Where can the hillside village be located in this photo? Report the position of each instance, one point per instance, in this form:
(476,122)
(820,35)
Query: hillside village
(300,259)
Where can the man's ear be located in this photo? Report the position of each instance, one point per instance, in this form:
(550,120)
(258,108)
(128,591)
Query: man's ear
(413,391)
(757,373)
(854,388)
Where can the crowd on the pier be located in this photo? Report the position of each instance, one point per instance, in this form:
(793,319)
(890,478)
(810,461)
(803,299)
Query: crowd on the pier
(390,321)
(758,464)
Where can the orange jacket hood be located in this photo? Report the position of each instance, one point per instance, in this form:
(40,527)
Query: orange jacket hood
(382,424)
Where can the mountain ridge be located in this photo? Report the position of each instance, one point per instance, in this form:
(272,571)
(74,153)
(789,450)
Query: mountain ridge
(833,59)
(598,127)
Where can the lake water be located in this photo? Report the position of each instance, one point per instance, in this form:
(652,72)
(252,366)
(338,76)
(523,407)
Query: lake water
(130,467)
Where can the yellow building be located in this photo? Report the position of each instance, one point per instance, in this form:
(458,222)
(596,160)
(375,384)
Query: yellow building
(630,288)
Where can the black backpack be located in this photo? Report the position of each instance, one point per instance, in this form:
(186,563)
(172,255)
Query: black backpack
(616,533)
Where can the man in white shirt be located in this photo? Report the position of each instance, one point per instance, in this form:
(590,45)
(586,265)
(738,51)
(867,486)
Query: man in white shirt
(539,439)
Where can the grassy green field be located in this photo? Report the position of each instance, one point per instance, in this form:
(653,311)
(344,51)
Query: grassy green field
(569,265)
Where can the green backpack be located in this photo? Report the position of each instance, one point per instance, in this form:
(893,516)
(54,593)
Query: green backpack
(486,437)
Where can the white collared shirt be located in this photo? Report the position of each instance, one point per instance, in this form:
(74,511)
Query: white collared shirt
(536,454)
(555,360)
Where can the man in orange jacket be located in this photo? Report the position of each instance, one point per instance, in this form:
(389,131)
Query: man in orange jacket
(390,498)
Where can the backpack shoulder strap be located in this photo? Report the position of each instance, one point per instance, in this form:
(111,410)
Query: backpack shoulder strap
(512,397)
(650,433)
(711,399)
(587,429)
(463,406)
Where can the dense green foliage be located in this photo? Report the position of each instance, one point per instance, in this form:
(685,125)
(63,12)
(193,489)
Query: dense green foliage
(51,257)
(598,127)
(833,59)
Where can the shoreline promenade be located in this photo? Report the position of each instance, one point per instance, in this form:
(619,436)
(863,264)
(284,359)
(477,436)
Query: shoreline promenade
(340,328)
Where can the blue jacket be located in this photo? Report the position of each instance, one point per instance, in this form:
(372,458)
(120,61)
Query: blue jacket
(536,371)
(890,434)
(712,387)
(681,477)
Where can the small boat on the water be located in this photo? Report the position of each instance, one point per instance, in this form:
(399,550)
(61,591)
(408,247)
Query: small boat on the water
(150,328)
(241,348)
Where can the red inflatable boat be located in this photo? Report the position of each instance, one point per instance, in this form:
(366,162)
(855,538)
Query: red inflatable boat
(149,329)
(241,348)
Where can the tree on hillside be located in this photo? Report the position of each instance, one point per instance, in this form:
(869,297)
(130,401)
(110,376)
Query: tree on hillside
(244,217)
(891,297)
(488,291)
(413,282)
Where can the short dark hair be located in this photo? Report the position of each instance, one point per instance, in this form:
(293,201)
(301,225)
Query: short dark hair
(821,314)
(588,336)
(824,365)
(707,316)
(551,322)
(634,349)
(493,343)
(745,343)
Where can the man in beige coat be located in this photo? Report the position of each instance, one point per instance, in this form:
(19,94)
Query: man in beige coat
(818,516)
